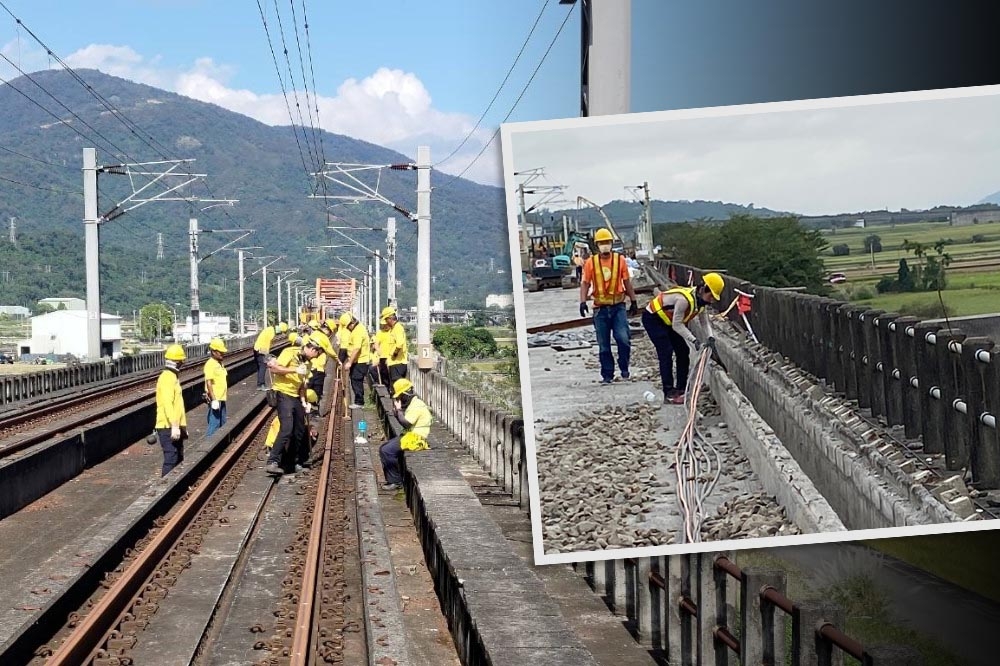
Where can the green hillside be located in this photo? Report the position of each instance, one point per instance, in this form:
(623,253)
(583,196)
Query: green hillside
(244,159)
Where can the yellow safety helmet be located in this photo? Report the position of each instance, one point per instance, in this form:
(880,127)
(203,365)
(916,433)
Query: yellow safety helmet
(715,284)
(401,386)
(603,236)
(217,345)
(311,396)
(331,324)
(387,312)
(314,324)
(318,340)
(174,353)
(345,319)
(293,337)
(282,327)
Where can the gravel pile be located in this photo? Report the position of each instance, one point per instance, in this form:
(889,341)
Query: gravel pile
(748,516)
(591,488)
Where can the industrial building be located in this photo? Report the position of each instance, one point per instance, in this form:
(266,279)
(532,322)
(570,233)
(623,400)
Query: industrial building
(65,332)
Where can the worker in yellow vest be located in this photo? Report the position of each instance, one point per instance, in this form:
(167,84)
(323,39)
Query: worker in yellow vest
(608,274)
(171,417)
(216,386)
(318,364)
(358,359)
(343,336)
(415,417)
(382,347)
(290,372)
(262,349)
(302,447)
(398,346)
(666,320)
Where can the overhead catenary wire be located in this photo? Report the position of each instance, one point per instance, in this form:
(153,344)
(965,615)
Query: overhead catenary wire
(499,88)
(516,101)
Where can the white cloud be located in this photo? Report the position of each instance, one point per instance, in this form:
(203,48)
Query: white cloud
(390,107)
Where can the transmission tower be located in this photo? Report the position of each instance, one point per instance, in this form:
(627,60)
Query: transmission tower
(13,232)
(159,246)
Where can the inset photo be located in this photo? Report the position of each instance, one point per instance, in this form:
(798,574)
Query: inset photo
(758,325)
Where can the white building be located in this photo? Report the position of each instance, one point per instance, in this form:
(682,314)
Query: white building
(70,303)
(209,326)
(499,300)
(65,332)
(15,311)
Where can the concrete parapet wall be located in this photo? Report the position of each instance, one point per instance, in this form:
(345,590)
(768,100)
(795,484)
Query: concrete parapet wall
(834,447)
(771,461)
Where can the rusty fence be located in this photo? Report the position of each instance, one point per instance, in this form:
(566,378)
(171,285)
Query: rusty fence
(39,383)
(936,382)
(704,609)
(494,437)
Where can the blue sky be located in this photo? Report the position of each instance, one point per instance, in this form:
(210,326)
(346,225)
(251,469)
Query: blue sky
(394,72)
(403,72)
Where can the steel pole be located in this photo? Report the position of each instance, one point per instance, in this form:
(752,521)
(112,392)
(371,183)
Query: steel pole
(242,325)
(195,305)
(390,270)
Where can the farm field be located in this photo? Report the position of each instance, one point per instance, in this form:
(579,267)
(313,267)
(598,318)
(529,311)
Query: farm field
(973,278)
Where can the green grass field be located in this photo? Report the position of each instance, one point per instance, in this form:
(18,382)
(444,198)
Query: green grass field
(971,290)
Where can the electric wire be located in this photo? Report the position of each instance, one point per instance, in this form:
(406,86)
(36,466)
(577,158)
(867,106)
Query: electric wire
(516,101)
(500,88)
(39,187)
(291,80)
(32,158)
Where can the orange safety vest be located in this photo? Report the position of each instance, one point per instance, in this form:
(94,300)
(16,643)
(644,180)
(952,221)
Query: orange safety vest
(608,293)
(656,305)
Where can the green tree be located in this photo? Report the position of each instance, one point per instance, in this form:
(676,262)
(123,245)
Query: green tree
(873,243)
(43,308)
(464,342)
(841,250)
(904,278)
(156,321)
(773,252)
(62,306)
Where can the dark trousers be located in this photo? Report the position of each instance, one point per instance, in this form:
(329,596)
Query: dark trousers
(261,360)
(342,355)
(316,382)
(216,418)
(379,374)
(173,452)
(397,371)
(612,320)
(291,416)
(358,373)
(667,343)
(390,454)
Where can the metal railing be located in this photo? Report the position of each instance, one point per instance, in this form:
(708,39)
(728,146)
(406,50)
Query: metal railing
(14,388)
(704,609)
(494,437)
(936,382)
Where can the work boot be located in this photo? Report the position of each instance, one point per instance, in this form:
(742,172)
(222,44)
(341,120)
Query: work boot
(274,469)
(675,397)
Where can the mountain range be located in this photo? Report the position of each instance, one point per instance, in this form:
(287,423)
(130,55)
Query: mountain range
(264,167)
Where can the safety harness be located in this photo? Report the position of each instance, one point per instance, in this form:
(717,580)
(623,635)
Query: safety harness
(656,305)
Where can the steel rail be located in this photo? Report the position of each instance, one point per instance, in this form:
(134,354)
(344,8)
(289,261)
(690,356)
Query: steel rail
(302,641)
(86,639)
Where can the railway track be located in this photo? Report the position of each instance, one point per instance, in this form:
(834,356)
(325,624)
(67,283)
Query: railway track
(37,423)
(181,593)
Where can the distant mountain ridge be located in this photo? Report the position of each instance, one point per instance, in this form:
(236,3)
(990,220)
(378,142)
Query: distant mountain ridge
(247,160)
(625,214)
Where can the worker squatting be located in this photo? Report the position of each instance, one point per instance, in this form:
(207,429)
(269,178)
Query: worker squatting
(295,380)
(605,277)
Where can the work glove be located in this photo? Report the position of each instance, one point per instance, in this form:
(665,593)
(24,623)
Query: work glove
(309,408)
(216,405)
(584,310)
(302,370)
(175,433)
(633,308)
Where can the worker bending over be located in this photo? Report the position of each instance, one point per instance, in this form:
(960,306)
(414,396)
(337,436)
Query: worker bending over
(290,372)
(665,320)
(262,349)
(303,446)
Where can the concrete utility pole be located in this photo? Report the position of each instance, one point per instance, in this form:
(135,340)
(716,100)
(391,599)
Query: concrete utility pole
(263,270)
(605,56)
(92,239)
(646,231)
(378,284)
(390,271)
(281,276)
(424,359)
(195,303)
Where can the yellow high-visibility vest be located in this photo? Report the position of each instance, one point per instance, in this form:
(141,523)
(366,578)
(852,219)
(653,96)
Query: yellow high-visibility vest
(666,314)
(608,292)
